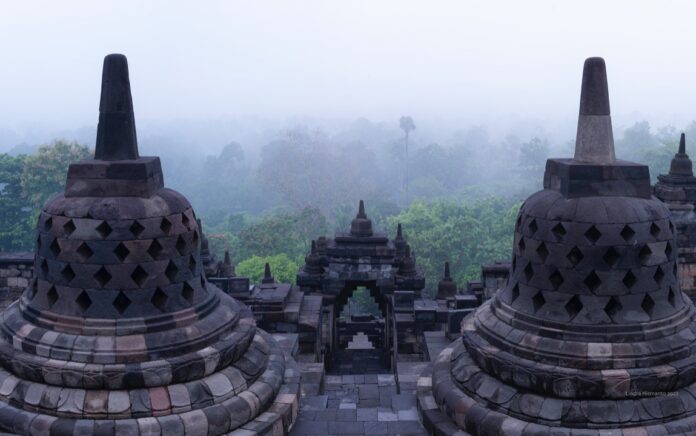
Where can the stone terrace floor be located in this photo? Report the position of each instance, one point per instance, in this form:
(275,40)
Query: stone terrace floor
(360,405)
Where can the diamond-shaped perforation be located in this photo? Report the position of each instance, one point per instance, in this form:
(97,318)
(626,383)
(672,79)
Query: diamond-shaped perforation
(136,228)
(181,245)
(48,224)
(529,271)
(121,251)
(155,249)
(519,221)
(69,227)
(627,233)
(532,226)
(573,306)
(44,267)
(139,275)
(671,297)
(592,281)
(593,234)
(644,254)
(67,273)
(171,271)
(612,307)
(159,299)
(659,275)
(654,230)
(671,227)
(521,245)
(556,279)
(558,231)
(121,302)
(104,229)
(668,250)
(187,292)
(38,242)
(538,301)
(648,304)
(611,256)
(102,276)
(84,251)
(629,279)
(575,256)
(195,239)
(165,226)
(83,301)
(185,221)
(542,251)
(515,294)
(52,296)
(192,264)
(55,247)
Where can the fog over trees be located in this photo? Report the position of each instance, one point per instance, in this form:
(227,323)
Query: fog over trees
(265,203)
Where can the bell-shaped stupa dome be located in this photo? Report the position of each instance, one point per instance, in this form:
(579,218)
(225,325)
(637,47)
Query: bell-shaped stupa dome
(120,332)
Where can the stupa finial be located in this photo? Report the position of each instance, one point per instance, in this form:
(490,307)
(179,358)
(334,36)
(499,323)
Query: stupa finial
(267,276)
(361,210)
(681,165)
(116,138)
(594,142)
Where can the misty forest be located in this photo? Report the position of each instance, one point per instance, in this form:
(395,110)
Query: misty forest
(266,202)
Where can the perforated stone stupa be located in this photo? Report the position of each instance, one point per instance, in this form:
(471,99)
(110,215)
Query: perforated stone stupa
(678,190)
(592,334)
(119,331)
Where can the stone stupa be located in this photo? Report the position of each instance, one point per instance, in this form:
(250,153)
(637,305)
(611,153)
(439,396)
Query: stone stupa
(120,332)
(592,334)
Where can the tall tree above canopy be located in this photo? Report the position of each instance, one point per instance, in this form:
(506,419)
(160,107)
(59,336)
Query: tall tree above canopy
(407,125)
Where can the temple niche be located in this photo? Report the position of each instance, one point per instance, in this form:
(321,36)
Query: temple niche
(592,334)
(677,190)
(119,331)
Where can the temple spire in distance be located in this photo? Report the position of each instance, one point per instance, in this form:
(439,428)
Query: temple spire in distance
(681,165)
(594,142)
(116,138)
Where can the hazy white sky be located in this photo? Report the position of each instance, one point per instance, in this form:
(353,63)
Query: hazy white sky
(470,60)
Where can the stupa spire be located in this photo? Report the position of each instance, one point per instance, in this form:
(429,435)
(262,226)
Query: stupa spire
(116,138)
(361,226)
(681,165)
(267,276)
(594,142)
(361,210)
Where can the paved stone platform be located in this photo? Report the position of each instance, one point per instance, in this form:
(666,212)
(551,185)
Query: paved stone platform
(359,405)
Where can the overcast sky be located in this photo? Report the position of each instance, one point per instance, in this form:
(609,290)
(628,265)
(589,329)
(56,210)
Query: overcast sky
(459,60)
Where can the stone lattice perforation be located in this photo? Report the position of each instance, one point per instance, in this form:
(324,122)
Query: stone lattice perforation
(112,303)
(583,259)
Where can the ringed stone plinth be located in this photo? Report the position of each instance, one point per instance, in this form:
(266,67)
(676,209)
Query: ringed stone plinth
(592,334)
(119,331)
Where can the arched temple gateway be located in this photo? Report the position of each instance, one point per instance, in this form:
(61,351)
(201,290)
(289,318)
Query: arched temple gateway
(119,331)
(592,334)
